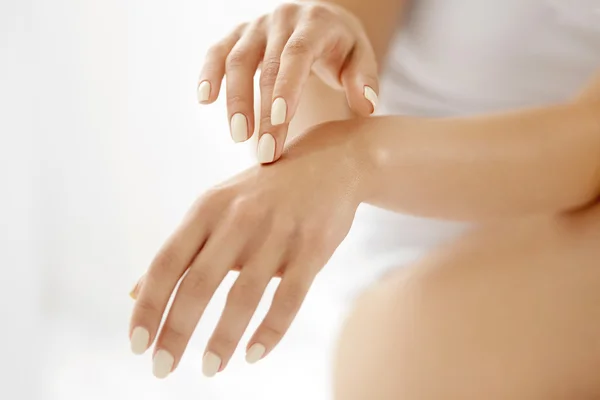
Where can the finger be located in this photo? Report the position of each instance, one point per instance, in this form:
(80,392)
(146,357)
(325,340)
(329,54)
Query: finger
(165,271)
(359,79)
(210,266)
(240,68)
(297,58)
(241,304)
(286,303)
(213,70)
(282,25)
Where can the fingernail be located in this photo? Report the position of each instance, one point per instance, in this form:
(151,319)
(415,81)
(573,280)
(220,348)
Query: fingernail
(210,364)
(134,292)
(162,364)
(370,95)
(255,353)
(266,148)
(203,91)
(139,340)
(278,111)
(239,127)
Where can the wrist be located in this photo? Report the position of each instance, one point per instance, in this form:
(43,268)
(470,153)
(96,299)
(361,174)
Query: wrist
(336,150)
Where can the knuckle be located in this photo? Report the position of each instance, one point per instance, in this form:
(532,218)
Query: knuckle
(223,341)
(216,51)
(318,12)
(284,226)
(236,100)
(236,59)
(240,29)
(245,212)
(269,72)
(245,292)
(173,334)
(272,331)
(265,120)
(196,282)
(297,46)
(285,11)
(147,307)
(166,260)
(291,300)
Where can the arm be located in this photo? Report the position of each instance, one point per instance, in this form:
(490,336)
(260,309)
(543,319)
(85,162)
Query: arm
(543,160)
(319,102)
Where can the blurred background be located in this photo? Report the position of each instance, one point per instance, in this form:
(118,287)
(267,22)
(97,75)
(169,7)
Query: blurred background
(103,148)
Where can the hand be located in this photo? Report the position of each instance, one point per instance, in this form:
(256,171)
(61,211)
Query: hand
(294,40)
(284,219)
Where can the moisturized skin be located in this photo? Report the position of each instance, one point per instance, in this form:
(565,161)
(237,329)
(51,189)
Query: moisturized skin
(286,219)
(289,217)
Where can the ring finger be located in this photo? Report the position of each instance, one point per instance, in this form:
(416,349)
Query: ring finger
(242,301)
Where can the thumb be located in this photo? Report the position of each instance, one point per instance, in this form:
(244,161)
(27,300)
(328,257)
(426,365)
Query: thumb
(360,80)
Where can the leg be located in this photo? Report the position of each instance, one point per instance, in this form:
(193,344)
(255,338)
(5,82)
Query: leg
(511,311)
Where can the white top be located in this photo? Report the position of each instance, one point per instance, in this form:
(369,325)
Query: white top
(460,57)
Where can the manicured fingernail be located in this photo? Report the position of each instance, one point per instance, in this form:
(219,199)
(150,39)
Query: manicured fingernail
(134,292)
(162,364)
(210,364)
(370,95)
(266,149)
(203,91)
(278,111)
(255,353)
(239,127)
(139,340)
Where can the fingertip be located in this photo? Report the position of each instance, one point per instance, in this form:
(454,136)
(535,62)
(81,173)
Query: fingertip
(255,353)
(370,94)
(278,111)
(203,92)
(265,152)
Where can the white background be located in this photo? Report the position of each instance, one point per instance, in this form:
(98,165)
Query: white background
(103,147)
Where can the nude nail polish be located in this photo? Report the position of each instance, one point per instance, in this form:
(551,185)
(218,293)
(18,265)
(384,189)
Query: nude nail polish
(162,364)
(210,364)
(239,127)
(255,353)
(266,149)
(278,111)
(139,341)
(203,91)
(133,293)
(370,95)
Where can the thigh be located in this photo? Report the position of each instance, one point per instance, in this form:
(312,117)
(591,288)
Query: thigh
(509,311)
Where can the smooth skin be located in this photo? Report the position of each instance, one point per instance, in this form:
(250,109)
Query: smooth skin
(361,43)
(260,224)
(509,311)
(264,225)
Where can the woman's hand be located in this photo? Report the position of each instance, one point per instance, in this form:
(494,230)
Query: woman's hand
(279,220)
(294,40)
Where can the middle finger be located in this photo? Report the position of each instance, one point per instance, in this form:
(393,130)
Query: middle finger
(240,69)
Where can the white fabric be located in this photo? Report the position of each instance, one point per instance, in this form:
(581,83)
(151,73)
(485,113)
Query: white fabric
(461,57)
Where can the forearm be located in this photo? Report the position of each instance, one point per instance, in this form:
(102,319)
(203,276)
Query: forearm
(535,161)
(527,162)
